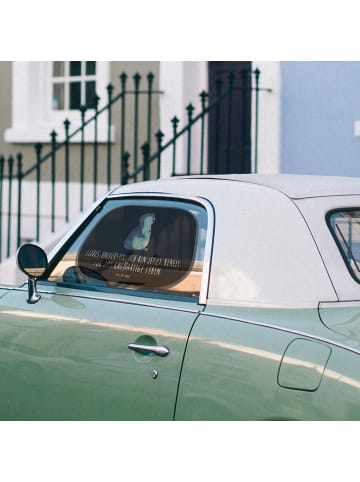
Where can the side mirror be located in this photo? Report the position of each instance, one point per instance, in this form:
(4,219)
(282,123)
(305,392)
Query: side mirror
(32,261)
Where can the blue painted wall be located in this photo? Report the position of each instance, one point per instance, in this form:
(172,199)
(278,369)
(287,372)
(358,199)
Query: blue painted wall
(319,106)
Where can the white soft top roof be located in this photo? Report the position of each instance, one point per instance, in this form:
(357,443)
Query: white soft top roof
(295,186)
(298,186)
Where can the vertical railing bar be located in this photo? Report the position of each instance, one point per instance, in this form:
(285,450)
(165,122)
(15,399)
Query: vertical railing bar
(10,177)
(150,78)
(96,146)
(53,179)
(137,78)
(82,157)
(257,77)
(123,78)
(244,88)
(110,89)
(229,126)
(38,148)
(125,168)
(218,84)
(67,124)
(159,136)
(19,210)
(175,122)
(146,151)
(190,110)
(203,96)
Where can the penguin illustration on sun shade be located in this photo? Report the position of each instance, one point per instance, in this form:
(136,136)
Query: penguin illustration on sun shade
(139,238)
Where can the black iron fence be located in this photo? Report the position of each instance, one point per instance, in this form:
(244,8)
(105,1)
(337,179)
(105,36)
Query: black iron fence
(223,95)
(140,162)
(76,151)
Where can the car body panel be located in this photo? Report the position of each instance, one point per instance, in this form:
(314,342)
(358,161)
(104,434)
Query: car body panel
(67,357)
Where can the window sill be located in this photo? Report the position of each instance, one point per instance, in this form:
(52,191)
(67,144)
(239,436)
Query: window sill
(41,133)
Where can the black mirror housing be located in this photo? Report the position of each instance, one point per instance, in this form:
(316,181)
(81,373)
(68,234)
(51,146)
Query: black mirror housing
(32,260)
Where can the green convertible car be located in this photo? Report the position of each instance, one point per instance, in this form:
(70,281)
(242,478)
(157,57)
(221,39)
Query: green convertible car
(197,298)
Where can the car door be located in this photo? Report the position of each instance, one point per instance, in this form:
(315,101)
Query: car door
(107,338)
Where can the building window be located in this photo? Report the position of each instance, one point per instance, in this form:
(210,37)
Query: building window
(73,85)
(44,94)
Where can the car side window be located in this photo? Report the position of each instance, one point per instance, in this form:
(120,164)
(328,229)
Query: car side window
(154,245)
(344,225)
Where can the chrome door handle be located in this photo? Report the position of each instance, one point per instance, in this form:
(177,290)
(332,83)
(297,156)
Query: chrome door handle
(155,349)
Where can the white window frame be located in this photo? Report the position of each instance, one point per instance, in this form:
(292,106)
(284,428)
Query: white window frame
(33,118)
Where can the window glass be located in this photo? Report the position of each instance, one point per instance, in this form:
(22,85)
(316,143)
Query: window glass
(152,245)
(58,96)
(345,227)
(90,68)
(75,95)
(58,69)
(75,68)
(90,94)
(74,84)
